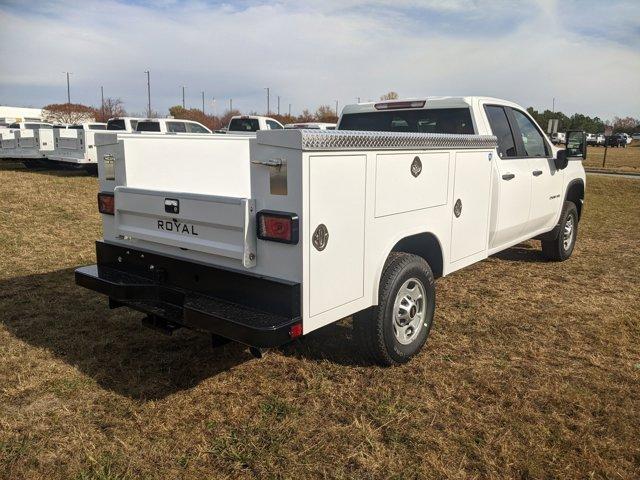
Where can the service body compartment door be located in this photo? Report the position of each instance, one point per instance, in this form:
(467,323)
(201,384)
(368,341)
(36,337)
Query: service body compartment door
(336,220)
(471,199)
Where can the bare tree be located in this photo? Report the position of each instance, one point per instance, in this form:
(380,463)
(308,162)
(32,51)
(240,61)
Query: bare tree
(112,107)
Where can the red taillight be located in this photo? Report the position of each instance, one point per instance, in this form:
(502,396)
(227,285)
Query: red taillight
(296,330)
(106,203)
(398,105)
(277,226)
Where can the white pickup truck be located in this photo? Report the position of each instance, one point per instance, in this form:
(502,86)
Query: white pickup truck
(262,240)
(250,124)
(75,146)
(168,125)
(27,141)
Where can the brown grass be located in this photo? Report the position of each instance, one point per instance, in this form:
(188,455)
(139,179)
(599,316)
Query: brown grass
(624,160)
(532,369)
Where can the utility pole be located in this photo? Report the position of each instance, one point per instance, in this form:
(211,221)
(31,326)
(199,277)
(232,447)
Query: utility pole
(148,93)
(102,102)
(553,108)
(336,108)
(68,88)
(278,104)
(268,106)
(203,102)
(183,105)
(289,109)
(230,104)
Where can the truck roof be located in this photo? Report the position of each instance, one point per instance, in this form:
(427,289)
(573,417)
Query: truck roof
(429,102)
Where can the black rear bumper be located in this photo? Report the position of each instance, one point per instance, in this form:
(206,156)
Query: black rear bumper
(250,309)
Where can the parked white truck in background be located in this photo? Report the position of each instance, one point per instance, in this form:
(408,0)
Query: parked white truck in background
(75,146)
(170,125)
(262,240)
(312,126)
(250,124)
(27,141)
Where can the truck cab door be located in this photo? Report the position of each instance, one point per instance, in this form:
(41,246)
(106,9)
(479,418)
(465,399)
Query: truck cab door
(546,179)
(512,182)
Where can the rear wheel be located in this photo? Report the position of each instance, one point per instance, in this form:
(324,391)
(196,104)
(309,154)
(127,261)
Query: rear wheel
(561,248)
(396,329)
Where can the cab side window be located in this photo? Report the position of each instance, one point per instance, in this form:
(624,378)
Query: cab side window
(501,129)
(176,127)
(273,125)
(195,128)
(534,144)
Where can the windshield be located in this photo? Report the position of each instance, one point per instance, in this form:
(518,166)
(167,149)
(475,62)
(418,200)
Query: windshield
(440,120)
(116,124)
(244,125)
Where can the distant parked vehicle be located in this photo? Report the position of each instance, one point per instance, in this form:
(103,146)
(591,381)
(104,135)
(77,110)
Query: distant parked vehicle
(635,136)
(168,125)
(617,140)
(311,126)
(592,139)
(244,124)
(600,140)
(126,124)
(558,137)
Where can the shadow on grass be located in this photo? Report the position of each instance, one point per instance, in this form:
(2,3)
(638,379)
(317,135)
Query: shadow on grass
(522,253)
(111,346)
(47,169)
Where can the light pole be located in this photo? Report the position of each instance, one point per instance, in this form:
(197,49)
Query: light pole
(68,88)
(336,108)
(278,104)
(102,101)
(553,108)
(268,108)
(231,104)
(183,104)
(203,102)
(289,109)
(148,93)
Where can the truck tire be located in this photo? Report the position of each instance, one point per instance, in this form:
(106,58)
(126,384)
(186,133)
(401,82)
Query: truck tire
(396,329)
(562,247)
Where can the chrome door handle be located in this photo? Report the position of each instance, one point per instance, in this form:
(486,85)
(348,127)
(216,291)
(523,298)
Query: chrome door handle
(508,176)
(537,173)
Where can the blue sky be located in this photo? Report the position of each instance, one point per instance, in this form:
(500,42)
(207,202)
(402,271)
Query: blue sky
(584,53)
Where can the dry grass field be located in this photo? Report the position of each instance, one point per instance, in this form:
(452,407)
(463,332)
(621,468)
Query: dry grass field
(625,160)
(532,369)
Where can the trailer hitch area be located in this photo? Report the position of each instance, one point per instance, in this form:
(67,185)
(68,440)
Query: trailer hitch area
(160,324)
(257,352)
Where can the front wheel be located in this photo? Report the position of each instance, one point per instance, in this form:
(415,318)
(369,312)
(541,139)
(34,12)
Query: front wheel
(396,329)
(561,248)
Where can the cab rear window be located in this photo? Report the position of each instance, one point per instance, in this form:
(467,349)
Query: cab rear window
(436,120)
(117,124)
(244,125)
(148,127)
(97,127)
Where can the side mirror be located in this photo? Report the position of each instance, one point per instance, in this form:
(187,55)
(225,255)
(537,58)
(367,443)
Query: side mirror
(561,161)
(576,144)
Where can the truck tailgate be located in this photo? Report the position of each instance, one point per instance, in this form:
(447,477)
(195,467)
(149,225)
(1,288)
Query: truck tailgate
(217,225)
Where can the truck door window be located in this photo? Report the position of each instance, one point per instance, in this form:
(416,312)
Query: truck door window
(534,144)
(274,125)
(195,128)
(501,129)
(176,127)
(97,127)
(434,120)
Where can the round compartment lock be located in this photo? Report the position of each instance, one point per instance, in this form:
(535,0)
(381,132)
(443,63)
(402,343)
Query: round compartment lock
(457,208)
(320,237)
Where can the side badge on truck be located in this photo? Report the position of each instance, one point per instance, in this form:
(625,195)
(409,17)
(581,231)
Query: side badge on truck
(320,237)
(416,167)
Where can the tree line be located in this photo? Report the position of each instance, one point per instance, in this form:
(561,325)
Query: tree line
(114,107)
